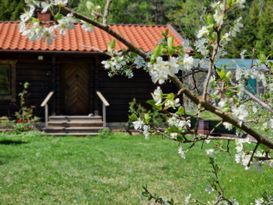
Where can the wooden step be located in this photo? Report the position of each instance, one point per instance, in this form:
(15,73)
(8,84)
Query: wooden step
(72,134)
(75,123)
(72,130)
(73,117)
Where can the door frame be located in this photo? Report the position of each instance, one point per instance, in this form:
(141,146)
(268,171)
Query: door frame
(63,66)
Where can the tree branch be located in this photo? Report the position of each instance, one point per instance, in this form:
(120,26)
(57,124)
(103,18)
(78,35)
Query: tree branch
(106,12)
(257,100)
(107,29)
(260,139)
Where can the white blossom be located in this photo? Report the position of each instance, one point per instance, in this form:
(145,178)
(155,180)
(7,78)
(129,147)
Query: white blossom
(181,151)
(173,66)
(239,150)
(48,35)
(139,62)
(238,74)
(211,153)
(218,17)
(173,135)
(234,202)
(146,129)
(203,32)
(172,103)
(242,54)
(209,189)
(241,3)
(259,201)
(237,27)
(157,95)
(117,64)
(32,2)
(187,199)
(270,123)
(240,112)
(86,26)
(228,126)
(222,103)
(241,156)
(45,6)
(245,160)
(65,23)
(188,62)
(159,71)
(138,125)
(59,2)
(34,32)
(201,46)
(179,123)
(25,17)
(106,64)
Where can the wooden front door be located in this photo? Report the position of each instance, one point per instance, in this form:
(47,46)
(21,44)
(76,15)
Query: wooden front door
(75,89)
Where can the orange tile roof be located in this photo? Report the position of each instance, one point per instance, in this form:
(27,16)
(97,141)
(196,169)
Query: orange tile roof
(78,40)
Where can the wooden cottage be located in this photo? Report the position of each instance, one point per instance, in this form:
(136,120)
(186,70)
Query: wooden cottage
(68,77)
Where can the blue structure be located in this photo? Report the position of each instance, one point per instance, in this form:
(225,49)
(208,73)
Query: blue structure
(236,63)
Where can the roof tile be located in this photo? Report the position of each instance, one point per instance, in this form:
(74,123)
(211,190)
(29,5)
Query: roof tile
(78,40)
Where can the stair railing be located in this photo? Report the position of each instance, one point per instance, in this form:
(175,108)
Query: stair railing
(45,105)
(105,104)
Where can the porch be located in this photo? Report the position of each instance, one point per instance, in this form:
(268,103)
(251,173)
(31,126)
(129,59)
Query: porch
(74,125)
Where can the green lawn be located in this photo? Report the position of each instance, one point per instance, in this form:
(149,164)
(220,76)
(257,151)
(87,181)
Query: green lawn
(35,169)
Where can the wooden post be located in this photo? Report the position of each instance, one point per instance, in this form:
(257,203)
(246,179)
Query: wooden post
(45,105)
(104,114)
(46,115)
(105,104)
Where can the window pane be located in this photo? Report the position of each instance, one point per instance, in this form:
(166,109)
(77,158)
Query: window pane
(5,79)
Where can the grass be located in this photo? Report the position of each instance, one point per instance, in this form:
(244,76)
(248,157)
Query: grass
(35,169)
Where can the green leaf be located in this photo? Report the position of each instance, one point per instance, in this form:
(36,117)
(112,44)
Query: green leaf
(156,53)
(230,3)
(181,111)
(229,74)
(111,45)
(221,73)
(58,16)
(170,96)
(209,19)
(170,44)
(165,33)
(34,20)
(147,118)
(133,117)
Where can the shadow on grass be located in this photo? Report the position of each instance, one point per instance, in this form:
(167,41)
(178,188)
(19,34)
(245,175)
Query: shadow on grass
(12,142)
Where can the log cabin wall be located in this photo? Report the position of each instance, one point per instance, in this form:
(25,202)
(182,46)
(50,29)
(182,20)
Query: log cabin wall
(45,76)
(37,73)
(119,91)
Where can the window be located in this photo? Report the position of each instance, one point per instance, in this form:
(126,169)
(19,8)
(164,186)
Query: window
(7,80)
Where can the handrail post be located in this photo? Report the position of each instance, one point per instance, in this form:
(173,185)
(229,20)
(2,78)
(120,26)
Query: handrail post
(46,115)
(105,104)
(104,115)
(45,105)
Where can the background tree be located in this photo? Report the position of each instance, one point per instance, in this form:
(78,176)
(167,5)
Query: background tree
(187,16)
(139,11)
(11,9)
